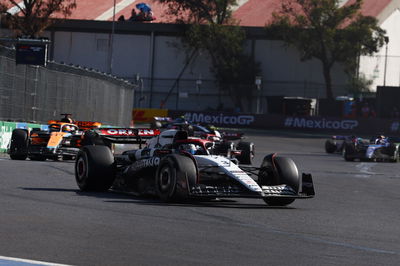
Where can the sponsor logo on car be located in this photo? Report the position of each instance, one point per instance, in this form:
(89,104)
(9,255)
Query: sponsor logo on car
(151,162)
(321,123)
(220,119)
(130,132)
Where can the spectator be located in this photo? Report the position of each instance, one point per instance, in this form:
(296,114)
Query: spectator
(121,18)
(395,112)
(348,108)
(150,16)
(365,110)
(141,16)
(134,15)
(372,112)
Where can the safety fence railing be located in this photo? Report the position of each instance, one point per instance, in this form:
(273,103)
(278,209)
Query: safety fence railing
(38,94)
(192,94)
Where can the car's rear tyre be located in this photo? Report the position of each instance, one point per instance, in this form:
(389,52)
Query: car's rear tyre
(330,146)
(90,138)
(248,152)
(224,148)
(19,144)
(286,173)
(348,151)
(174,177)
(394,150)
(94,168)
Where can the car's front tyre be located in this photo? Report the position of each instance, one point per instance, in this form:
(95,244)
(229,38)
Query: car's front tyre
(19,144)
(248,152)
(175,174)
(94,168)
(278,170)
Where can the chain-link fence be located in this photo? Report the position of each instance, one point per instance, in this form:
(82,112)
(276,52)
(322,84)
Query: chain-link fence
(191,94)
(38,94)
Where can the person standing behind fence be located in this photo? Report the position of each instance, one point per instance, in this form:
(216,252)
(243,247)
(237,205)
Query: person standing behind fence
(365,110)
(141,16)
(134,15)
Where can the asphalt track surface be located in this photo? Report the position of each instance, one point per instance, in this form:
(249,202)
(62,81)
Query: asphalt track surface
(353,220)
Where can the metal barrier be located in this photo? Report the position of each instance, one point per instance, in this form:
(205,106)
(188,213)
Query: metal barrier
(38,94)
(188,94)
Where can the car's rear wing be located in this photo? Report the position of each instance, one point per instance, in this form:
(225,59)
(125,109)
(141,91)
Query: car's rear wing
(86,125)
(232,135)
(127,135)
(163,118)
(83,125)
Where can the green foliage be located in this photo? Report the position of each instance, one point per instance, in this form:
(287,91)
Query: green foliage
(200,11)
(323,30)
(35,16)
(359,85)
(212,30)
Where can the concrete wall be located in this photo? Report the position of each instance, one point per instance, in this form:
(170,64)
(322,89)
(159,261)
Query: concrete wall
(153,52)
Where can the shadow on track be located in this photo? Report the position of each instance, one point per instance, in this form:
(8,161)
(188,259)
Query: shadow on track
(121,197)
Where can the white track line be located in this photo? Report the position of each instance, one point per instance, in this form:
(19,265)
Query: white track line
(34,262)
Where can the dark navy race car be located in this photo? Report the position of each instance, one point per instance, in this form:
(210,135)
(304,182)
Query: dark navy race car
(335,144)
(377,149)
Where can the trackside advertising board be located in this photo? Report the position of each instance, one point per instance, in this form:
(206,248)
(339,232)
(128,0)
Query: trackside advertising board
(317,124)
(145,115)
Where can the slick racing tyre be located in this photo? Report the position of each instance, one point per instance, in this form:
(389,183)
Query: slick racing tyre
(19,144)
(393,150)
(248,152)
(286,172)
(224,148)
(175,174)
(94,168)
(348,151)
(330,146)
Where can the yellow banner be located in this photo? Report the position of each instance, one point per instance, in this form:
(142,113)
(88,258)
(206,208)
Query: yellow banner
(146,115)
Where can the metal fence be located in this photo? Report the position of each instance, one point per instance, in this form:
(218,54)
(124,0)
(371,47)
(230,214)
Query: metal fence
(38,94)
(188,94)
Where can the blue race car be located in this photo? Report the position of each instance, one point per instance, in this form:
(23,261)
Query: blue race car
(377,149)
(336,143)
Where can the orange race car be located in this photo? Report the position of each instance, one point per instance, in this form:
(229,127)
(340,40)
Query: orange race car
(61,140)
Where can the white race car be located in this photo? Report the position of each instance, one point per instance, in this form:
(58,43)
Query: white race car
(173,167)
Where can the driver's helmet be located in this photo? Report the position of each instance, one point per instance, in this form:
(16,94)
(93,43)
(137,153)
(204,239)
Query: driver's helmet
(190,148)
(68,128)
(181,120)
(380,139)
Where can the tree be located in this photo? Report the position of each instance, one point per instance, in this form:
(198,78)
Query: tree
(209,27)
(332,34)
(35,16)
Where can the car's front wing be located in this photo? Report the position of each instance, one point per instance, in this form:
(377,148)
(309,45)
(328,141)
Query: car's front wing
(307,190)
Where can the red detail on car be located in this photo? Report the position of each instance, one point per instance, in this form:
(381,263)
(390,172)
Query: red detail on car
(130,132)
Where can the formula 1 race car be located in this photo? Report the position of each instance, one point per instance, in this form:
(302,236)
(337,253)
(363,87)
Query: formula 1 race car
(164,168)
(243,152)
(61,141)
(378,150)
(336,143)
(225,142)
